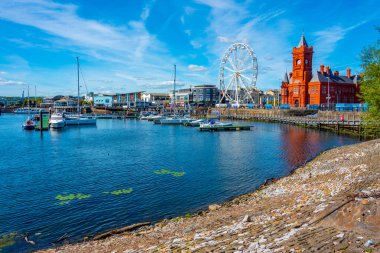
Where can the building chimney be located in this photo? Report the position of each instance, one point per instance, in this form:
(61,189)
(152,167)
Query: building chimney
(322,68)
(336,73)
(327,70)
(348,72)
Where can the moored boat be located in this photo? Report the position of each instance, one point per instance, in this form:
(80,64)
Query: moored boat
(71,120)
(29,124)
(57,121)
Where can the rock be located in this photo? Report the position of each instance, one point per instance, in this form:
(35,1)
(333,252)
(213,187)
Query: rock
(213,207)
(246,218)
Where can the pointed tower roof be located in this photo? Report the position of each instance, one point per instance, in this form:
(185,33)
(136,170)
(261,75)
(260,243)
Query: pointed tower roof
(286,79)
(302,41)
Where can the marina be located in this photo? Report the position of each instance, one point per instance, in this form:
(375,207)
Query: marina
(155,172)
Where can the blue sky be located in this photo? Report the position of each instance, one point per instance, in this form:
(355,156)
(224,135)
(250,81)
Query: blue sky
(131,45)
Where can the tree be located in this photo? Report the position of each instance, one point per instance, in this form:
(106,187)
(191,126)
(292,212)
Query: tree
(370,83)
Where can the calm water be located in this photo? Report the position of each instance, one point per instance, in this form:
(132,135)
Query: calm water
(122,154)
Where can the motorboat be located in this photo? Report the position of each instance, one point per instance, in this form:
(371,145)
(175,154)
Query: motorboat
(175,120)
(155,117)
(212,124)
(57,120)
(29,124)
(79,120)
(197,122)
(28,111)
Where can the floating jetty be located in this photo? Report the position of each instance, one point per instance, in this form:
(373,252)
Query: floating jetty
(224,128)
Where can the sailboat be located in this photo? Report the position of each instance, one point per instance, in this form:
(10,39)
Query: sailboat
(176,119)
(79,119)
(29,124)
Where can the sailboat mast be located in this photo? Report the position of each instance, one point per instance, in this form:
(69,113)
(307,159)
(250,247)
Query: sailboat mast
(28,102)
(175,70)
(78,109)
(35,96)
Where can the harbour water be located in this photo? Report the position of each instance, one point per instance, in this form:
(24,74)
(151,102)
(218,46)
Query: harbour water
(165,171)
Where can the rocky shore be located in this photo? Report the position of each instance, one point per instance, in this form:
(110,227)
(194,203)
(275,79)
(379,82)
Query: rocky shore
(331,204)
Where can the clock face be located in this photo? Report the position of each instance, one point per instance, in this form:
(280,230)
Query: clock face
(306,61)
(298,62)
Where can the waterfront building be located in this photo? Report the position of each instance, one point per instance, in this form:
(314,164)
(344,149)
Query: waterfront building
(66,104)
(323,87)
(205,95)
(183,97)
(160,100)
(105,101)
(272,97)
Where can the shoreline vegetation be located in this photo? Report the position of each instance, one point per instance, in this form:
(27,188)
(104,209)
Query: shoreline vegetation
(330,204)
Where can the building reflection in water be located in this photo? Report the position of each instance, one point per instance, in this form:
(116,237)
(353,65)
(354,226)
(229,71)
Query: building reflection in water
(299,144)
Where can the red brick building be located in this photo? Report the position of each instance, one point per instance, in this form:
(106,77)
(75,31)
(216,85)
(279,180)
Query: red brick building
(303,86)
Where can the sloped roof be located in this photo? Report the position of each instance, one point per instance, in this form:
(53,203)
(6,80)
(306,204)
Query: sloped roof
(302,41)
(286,78)
(323,77)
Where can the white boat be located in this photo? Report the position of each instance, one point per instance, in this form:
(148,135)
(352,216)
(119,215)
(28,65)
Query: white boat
(197,122)
(213,124)
(27,111)
(155,117)
(75,120)
(57,121)
(29,124)
(176,120)
(78,119)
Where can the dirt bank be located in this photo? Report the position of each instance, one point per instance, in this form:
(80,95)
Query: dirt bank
(332,204)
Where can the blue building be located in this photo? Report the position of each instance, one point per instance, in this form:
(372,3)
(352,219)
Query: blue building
(103,101)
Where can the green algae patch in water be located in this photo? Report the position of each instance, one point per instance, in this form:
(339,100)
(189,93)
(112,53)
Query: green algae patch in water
(169,172)
(122,191)
(65,199)
(7,240)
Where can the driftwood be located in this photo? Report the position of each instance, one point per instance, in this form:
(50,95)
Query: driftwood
(121,230)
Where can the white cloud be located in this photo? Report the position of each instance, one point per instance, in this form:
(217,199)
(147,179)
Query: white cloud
(5,82)
(189,10)
(225,40)
(195,44)
(327,40)
(196,68)
(261,28)
(188,32)
(130,48)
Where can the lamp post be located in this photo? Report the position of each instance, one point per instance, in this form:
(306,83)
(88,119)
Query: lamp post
(328,93)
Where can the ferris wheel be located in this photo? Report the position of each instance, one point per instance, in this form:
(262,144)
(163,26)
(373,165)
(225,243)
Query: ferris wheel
(238,75)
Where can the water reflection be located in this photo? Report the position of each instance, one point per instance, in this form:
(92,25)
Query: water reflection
(300,144)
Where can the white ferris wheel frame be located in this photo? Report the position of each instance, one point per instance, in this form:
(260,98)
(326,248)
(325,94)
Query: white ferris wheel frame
(240,84)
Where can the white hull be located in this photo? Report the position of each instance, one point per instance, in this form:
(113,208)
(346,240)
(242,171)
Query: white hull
(80,121)
(210,125)
(57,124)
(57,121)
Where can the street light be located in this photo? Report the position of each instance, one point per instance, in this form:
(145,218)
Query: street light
(328,93)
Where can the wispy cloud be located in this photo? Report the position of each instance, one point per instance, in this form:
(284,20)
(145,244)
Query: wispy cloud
(196,68)
(123,45)
(327,40)
(6,82)
(232,22)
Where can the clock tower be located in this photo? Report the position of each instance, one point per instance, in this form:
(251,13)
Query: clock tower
(302,72)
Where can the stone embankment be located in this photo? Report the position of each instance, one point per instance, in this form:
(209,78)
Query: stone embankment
(331,204)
